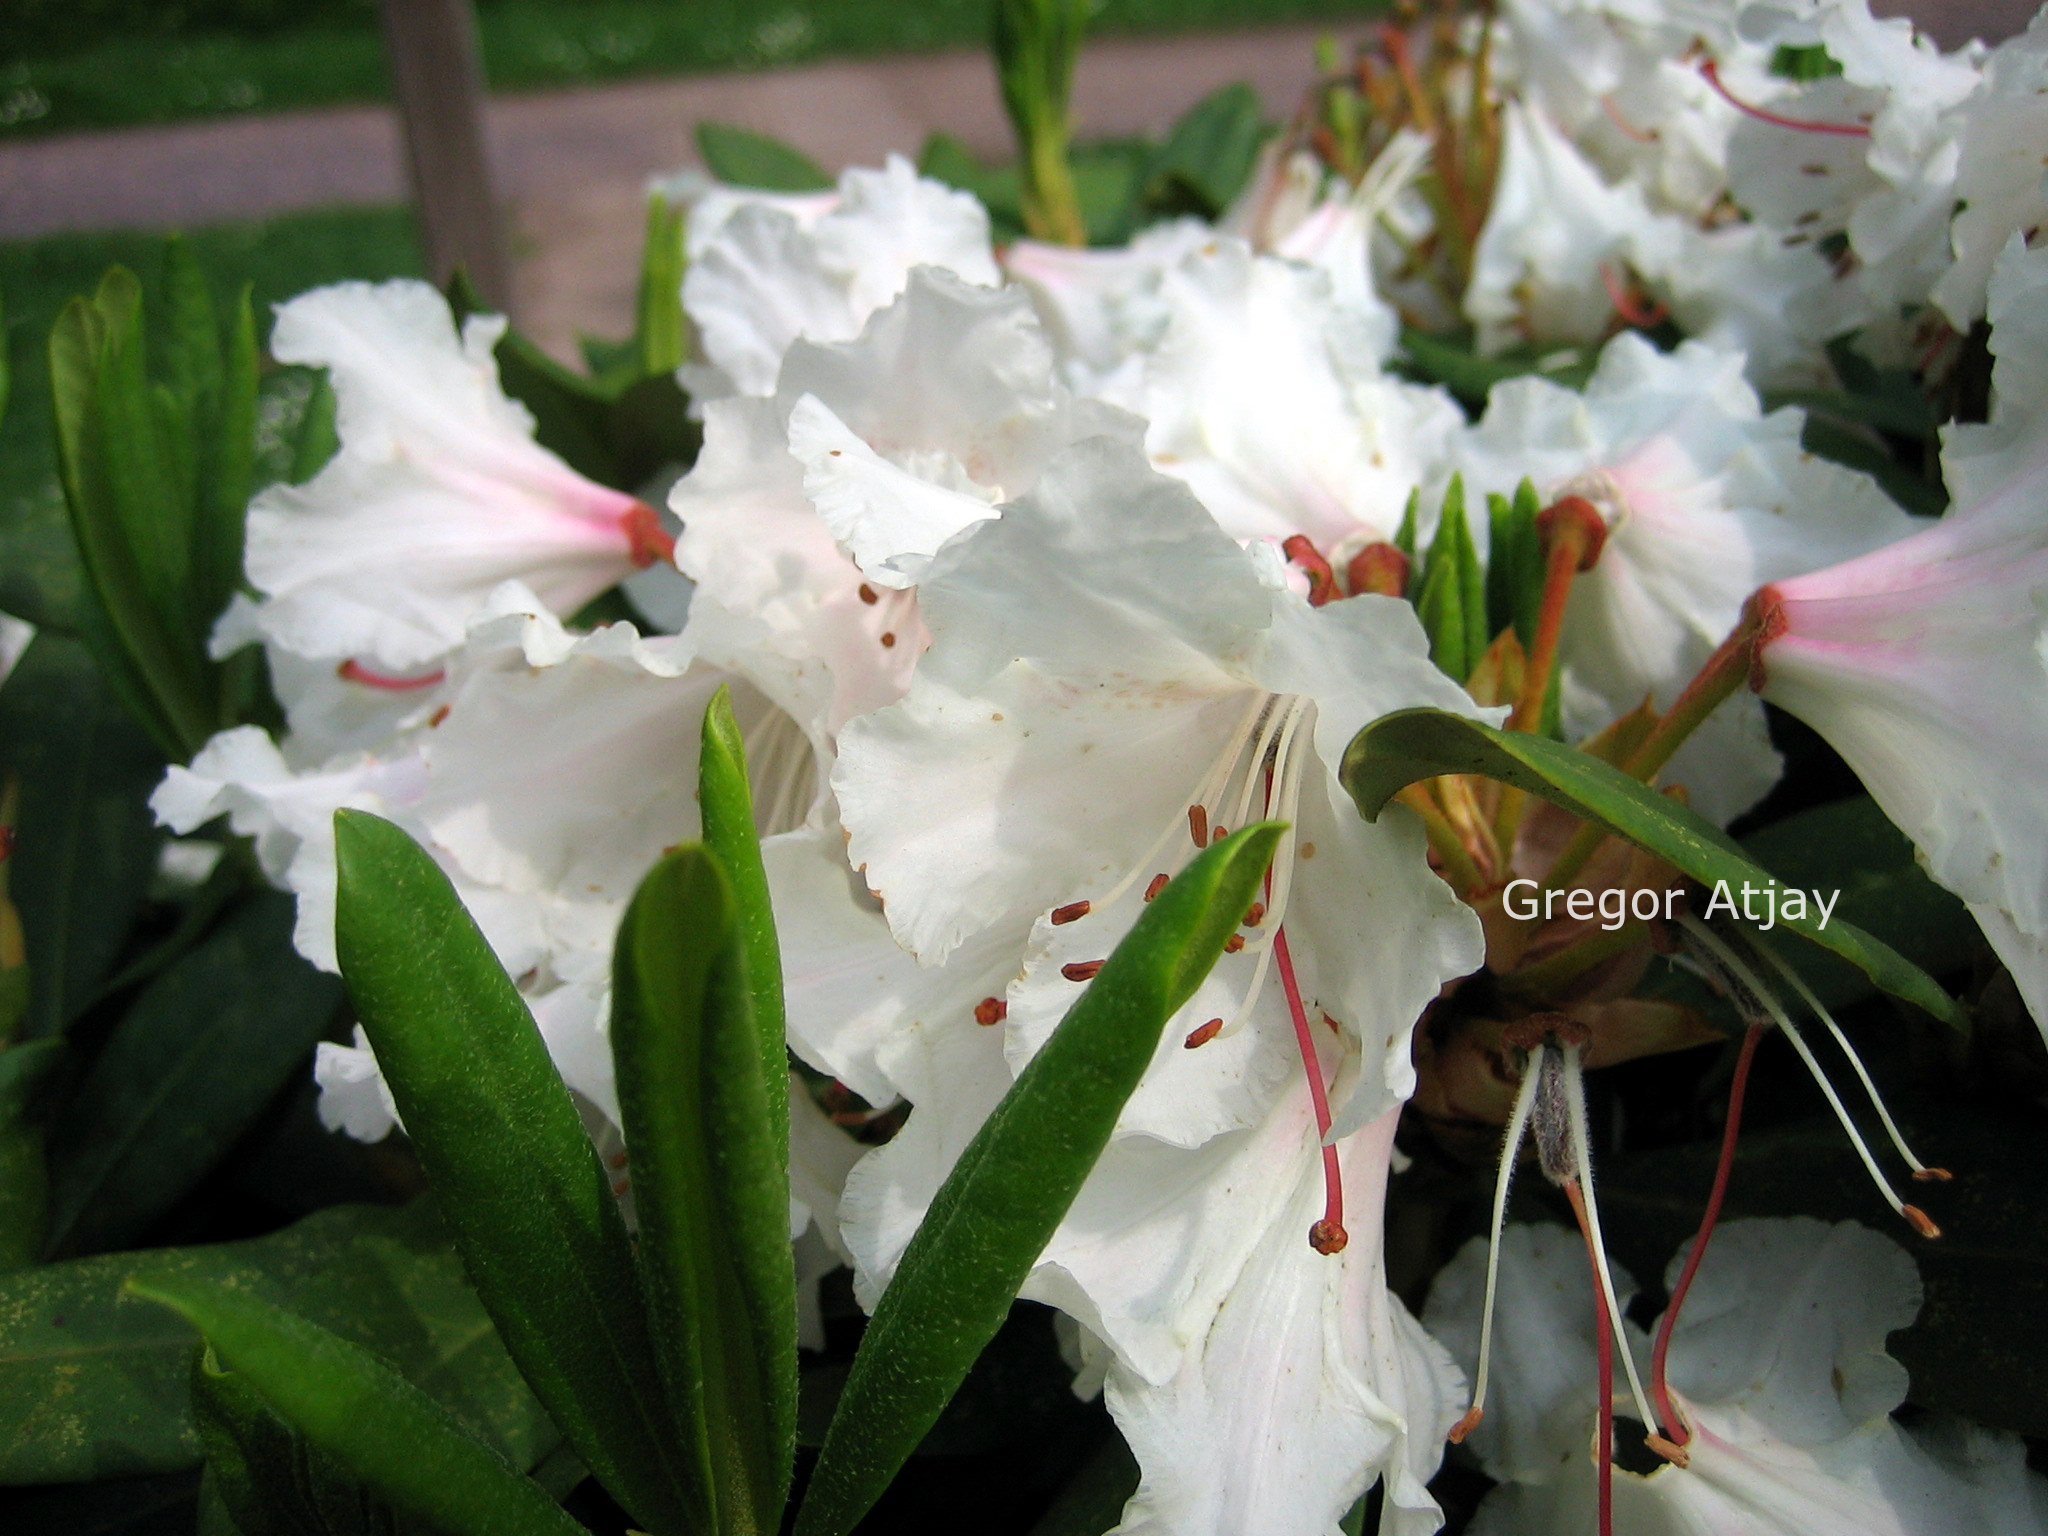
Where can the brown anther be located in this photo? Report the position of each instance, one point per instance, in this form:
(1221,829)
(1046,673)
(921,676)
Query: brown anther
(1217,834)
(991,1010)
(1328,1237)
(438,716)
(1198,825)
(1538,1029)
(1072,912)
(1574,517)
(616,1161)
(1920,1221)
(1322,581)
(1380,568)
(888,638)
(1233,944)
(1254,914)
(647,542)
(1158,884)
(1466,1425)
(1203,1034)
(1670,1450)
(1081,970)
(1932,1175)
(869,595)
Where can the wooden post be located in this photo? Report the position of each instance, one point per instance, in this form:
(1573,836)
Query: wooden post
(438,73)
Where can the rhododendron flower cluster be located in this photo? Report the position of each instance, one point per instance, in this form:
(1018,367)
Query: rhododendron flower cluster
(1035,569)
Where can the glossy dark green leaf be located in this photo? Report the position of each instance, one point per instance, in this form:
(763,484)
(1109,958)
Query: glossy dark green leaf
(24,1188)
(93,1383)
(744,158)
(710,1181)
(373,1421)
(1000,1205)
(87,844)
(270,1480)
(507,1156)
(1411,744)
(1207,159)
(185,1073)
(222,509)
(1849,846)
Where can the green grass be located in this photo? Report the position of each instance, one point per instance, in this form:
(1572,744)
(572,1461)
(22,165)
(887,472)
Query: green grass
(534,43)
(278,258)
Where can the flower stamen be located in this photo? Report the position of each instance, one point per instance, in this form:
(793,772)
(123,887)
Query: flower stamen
(355,672)
(1711,70)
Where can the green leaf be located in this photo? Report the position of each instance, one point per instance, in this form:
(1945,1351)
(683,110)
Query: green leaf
(744,158)
(220,516)
(1000,188)
(507,1156)
(319,438)
(661,332)
(710,1182)
(41,577)
(1036,45)
(1000,1205)
(729,831)
(185,1073)
(1451,599)
(24,1188)
(1469,376)
(366,1415)
(93,1383)
(1514,563)
(1398,749)
(1207,159)
(1849,846)
(88,845)
(270,1480)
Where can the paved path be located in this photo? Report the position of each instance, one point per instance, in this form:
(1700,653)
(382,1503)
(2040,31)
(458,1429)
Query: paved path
(571,165)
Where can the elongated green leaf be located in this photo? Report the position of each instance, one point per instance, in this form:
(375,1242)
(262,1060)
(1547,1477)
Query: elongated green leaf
(87,846)
(269,1478)
(93,1383)
(745,158)
(41,578)
(24,1189)
(1398,749)
(662,331)
(221,514)
(1451,601)
(729,831)
(186,1072)
(366,1415)
(508,1158)
(1003,1200)
(710,1181)
(1208,157)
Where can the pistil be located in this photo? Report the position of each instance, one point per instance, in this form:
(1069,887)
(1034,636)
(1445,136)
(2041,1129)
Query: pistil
(1711,70)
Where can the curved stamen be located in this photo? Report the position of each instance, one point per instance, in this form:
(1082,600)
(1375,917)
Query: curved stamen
(1582,1158)
(1511,1149)
(1676,1432)
(1712,72)
(355,672)
(1732,966)
(1891,1128)
(1328,1235)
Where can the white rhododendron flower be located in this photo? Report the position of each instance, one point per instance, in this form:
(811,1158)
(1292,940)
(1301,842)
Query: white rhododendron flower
(1111,679)
(1705,498)
(810,514)
(1925,663)
(765,272)
(438,493)
(2001,183)
(1779,1367)
(1266,396)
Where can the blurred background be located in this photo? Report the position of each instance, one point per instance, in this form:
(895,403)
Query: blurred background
(271,131)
